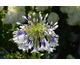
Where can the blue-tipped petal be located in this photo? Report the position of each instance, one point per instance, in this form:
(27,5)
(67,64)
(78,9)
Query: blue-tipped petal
(41,18)
(25,48)
(52,39)
(35,46)
(42,48)
(20,38)
(19,33)
(24,33)
(34,50)
(26,41)
(24,17)
(31,44)
(45,32)
(18,23)
(55,27)
(50,49)
(55,24)
(46,15)
(48,27)
(46,42)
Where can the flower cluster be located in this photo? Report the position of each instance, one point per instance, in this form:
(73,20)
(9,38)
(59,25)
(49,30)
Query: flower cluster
(14,14)
(41,8)
(1,8)
(53,17)
(72,13)
(37,35)
(67,9)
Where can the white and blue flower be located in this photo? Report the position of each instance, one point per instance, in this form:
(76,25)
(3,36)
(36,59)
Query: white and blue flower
(37,35)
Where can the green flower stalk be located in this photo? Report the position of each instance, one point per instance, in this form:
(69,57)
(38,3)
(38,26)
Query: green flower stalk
(37,35)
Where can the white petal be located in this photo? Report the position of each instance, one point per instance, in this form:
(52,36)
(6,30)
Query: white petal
(21,38)
(50,50)
(15,38)
(22,27)
(17,23)
(30,46)
(34,50)
(42,48)
(15,32)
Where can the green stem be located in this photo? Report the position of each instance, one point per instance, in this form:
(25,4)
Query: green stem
(50,9)
(34,55)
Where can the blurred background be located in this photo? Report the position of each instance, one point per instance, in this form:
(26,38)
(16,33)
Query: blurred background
(68,18)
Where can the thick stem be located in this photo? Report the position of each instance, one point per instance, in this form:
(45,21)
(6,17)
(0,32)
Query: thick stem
(34,55)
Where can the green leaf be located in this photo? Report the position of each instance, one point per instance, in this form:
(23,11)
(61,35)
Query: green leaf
(40,54)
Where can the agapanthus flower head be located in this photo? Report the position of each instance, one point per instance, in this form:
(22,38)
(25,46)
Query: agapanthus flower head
(37,35)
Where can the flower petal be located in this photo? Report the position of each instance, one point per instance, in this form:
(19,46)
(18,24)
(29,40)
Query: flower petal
(34,50)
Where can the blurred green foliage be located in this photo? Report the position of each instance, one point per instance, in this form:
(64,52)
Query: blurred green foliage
(70,57)
(19,55)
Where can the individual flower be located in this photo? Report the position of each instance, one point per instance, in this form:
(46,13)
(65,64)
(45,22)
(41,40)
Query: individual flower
(37,35)
(14,14)
(1,8)
(41,8)
(53,17)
